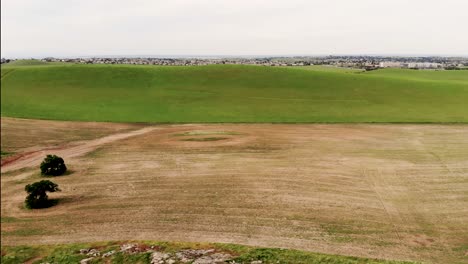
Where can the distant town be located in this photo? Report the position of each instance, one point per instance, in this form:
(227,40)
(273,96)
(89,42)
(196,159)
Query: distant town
(361,62)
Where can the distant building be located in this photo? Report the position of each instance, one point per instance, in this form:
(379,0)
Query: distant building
(423,65)
(390,64)
(48,59)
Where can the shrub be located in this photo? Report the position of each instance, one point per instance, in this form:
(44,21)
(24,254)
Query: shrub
(53,165)
(37,194)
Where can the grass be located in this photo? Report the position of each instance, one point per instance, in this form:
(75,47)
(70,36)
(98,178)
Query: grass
(7,219)
(5,153)
(423,75)
(232,93)
(25,232)
(267,255)
(19,254)
(69,253)
(330,69)
(32,62)
(17,136)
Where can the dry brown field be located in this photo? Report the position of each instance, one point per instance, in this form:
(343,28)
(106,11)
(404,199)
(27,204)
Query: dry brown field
(381,191)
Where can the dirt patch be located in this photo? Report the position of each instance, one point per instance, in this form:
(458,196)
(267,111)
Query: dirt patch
(203,139)
(16,157)
(206,133)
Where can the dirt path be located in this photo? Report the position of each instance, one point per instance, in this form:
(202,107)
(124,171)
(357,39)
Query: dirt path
(31,159)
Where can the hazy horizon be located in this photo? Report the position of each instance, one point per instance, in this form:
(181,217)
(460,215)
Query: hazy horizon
(254,28)
(175,56)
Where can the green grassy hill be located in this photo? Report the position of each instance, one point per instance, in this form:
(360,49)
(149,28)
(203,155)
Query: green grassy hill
(30,62)
(423,75)
(232,93)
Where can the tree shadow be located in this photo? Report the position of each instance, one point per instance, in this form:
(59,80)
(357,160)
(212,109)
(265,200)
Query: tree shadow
(49,203)
(66,173)
(44,205)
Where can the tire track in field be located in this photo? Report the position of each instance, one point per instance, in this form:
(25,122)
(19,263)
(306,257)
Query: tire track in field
(31,159)
(7,72)
(392,212)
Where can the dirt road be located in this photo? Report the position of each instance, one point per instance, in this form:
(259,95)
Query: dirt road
(34,158)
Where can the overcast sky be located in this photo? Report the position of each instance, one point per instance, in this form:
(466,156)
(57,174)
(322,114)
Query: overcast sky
(39,28)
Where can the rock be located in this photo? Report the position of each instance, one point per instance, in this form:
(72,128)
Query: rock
(256,262)
(108,254)
(182,258)
(86,260)
(221,257)
(84,251)
(213,259)
(189,255)
(93,253)
(204,260)
(160,258)
(127,247)
(206,251)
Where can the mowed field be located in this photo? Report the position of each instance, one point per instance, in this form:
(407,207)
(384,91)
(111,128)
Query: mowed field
(232,93)
(381,191)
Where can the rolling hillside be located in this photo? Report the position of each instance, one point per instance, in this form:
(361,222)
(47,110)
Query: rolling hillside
(232,93)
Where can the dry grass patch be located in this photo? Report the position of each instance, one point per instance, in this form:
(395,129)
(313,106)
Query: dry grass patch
(22,135)
(380,191)
(202,139)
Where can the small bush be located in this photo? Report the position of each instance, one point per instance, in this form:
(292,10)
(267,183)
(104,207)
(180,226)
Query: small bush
(53,165)
(37,194)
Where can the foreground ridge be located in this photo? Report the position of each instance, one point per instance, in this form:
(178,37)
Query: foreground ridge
(172,253)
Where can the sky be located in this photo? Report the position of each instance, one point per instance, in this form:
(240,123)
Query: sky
(73,28)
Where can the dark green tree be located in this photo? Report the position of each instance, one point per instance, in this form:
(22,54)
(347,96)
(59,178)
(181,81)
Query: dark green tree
(53,165)
(37,193)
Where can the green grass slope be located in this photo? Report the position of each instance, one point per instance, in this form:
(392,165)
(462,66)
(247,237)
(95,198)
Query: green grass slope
(231,93)
(423,75)
(30,62)
(243,254)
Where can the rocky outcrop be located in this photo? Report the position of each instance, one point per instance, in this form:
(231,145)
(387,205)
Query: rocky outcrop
(194,256)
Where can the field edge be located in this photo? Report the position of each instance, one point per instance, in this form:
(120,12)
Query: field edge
(155,123)
(70,253)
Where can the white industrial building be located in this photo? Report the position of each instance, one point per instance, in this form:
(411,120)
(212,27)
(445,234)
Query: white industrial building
(390,64)
(423,65)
